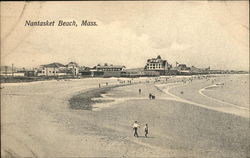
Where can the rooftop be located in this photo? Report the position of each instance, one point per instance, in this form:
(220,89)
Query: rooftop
(54,65)
(72,63)
(156,60)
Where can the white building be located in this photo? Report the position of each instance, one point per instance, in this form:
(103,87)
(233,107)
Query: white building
(74,68)
(110,67)
(157,64)
(53,69)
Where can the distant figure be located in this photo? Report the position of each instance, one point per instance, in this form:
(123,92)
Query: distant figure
(99,85)
(146,130)
(139,91)
(106,83)
(150,96)
(135,128)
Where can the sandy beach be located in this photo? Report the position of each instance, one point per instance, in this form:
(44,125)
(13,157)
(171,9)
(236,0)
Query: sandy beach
(190,117)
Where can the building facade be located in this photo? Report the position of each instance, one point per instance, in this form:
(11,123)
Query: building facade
(74,68)
(181,69)
(110,67)
(158,65)
(107,70)
(53,69)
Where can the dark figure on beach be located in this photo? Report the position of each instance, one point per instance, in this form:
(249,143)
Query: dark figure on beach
(135,128)
(146,130)
(106,83)
(150,96)
(139,91)
(99,85)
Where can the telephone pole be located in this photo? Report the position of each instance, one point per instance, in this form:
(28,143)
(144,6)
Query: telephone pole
(6,70)
(12,69)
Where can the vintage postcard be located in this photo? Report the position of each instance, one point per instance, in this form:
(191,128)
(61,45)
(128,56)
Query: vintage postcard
(125,79)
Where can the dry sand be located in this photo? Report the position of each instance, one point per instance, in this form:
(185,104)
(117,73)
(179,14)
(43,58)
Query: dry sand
(36,121)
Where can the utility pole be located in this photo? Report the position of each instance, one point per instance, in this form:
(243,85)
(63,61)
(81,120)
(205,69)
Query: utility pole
(6,70)
(12,70)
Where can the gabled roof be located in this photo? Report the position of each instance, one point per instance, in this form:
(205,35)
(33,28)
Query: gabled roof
(158,57)
(54,65)
(182,65)
(156,60)
(72,63)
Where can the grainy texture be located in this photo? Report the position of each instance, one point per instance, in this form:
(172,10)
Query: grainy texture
(44,124)
(85,100)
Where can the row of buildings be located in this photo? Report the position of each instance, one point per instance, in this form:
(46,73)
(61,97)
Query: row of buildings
(162,67)
(153,67)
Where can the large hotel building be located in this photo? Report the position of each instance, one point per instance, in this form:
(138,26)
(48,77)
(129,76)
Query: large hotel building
(157,64)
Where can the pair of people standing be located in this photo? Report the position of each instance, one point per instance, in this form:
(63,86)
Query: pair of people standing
(135,128)
(151,96)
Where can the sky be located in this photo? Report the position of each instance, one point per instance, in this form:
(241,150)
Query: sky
(196,33)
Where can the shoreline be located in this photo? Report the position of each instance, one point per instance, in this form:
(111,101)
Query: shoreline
(85,100)
(39,79)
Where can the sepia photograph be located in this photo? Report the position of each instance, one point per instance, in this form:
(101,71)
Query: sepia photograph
(125,79)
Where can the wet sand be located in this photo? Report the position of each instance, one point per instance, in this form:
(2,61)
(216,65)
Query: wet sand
(85,100)
(40,123)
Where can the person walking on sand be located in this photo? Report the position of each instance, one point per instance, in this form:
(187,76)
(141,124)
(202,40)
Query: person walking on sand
(146,130)
(135,128)
(150,96)
(139,91)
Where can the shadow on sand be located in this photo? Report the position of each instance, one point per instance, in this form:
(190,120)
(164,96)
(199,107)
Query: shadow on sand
(145,137)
